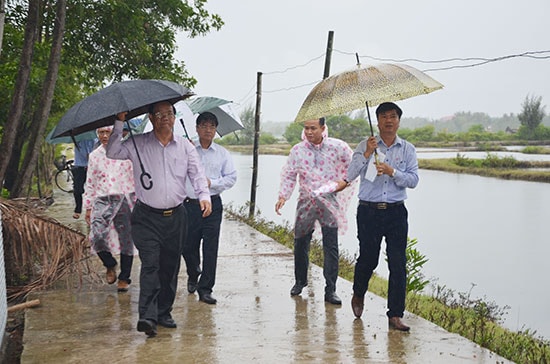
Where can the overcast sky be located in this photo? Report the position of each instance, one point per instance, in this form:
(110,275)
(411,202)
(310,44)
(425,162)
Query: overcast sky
(274,36)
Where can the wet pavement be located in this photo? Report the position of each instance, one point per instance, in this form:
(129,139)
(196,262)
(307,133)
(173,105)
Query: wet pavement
(255,320)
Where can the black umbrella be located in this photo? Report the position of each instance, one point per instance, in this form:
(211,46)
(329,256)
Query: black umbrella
(101,108)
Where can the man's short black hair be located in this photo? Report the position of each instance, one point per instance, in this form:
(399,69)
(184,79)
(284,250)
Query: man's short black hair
(207,116)
(321,121)
(387,106)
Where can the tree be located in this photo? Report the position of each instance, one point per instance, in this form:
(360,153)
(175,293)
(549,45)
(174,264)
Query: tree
(531,115)
(40,118)
(105,41)
(293,133)
(347,129)
(23,75)
(2,21)
(246,135)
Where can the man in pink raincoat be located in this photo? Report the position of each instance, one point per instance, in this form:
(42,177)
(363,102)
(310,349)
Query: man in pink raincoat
(108,201)
(320,163)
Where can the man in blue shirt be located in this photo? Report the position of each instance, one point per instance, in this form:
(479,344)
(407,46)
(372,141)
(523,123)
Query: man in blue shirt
(82,150)
(388,166)
(221,175)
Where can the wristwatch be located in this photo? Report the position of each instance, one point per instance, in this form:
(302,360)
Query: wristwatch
(393,173)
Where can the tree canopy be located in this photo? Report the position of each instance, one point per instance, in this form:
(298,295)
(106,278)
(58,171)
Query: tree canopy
(531,115)
(103,41)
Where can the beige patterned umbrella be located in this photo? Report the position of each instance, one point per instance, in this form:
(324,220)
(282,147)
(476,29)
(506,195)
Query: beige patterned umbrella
(371,85)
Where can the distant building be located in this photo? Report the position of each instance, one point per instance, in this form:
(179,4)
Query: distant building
(510,130)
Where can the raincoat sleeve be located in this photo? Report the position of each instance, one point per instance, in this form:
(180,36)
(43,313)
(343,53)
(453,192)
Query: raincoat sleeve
(288,175)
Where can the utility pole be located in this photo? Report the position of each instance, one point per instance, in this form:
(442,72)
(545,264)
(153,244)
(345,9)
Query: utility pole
(328,55)
(253,186)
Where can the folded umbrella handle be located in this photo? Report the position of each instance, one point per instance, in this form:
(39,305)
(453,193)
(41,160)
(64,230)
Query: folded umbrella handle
(142,178)
(143,173)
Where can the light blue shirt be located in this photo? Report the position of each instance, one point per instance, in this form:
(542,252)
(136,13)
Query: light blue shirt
(218,166)
(401,156)
(169,167)
(82,150)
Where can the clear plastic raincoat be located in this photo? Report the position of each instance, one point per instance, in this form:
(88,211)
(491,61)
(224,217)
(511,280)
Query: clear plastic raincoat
(318,168)
(109,193)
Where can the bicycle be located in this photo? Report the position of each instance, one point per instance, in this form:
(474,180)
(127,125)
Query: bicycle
(64,175)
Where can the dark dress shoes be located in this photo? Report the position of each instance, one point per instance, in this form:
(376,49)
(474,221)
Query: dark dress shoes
(167,321)
(297,288)
(191,285)
(396,324)
(207,298)
(149,327)
(333,298)
(357,304)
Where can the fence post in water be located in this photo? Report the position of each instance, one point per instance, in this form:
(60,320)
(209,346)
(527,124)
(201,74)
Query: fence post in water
(252,209)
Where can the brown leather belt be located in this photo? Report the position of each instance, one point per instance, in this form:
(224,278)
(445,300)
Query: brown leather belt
(380,205)
(163,212)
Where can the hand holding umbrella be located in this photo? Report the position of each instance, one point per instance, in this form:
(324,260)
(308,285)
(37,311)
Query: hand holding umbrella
(371,134)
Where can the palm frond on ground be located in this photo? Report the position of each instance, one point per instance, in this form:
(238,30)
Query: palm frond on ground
(38,250)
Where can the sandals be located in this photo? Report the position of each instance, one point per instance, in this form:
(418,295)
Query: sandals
(76,215)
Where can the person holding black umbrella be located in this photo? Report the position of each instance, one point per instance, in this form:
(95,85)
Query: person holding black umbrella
(159,220)
(388,166)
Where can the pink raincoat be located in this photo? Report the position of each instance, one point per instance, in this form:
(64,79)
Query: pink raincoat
(318,168)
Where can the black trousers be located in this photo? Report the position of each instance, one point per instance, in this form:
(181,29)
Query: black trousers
(159,240)
(125,264)
(330,257)
(79,179)
(207,230)
(373,225)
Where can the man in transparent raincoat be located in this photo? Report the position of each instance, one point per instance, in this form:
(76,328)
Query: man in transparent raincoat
(109,199)
(320,163)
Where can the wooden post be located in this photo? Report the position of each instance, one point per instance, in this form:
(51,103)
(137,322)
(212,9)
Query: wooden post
(253,186)
(328,55)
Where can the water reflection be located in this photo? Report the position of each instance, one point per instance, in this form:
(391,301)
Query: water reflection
(360,345)
(301,329)
(332,333)
(396,346)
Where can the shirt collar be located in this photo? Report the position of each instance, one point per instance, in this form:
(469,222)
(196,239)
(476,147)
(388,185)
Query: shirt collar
(398,141)
(212,146)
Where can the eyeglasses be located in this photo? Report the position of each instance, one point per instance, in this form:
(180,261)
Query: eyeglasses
(160,115)
(207,126)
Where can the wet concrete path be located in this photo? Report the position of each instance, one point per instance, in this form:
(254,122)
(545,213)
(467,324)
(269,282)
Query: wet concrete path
(255,319)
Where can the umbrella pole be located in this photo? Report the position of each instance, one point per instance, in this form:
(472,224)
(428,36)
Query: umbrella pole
(184,129)
(143,173)
(371,131)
